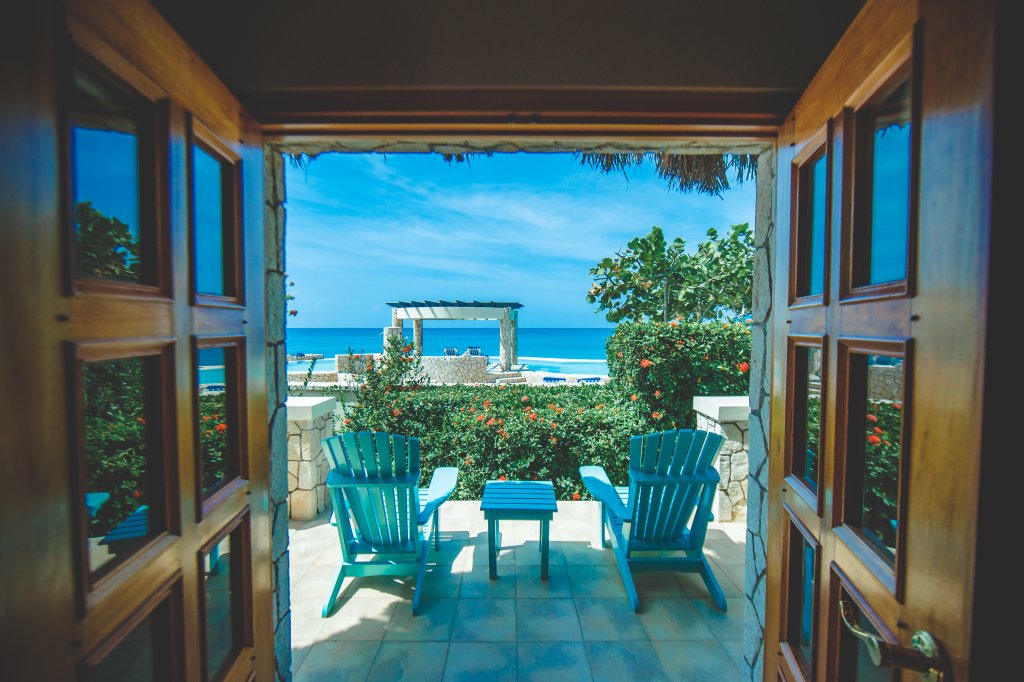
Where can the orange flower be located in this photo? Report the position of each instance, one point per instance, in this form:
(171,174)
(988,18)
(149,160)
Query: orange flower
(898,406)
(656,415)
(633,397)
(533,416)
(141,420)
(553,440)
(395,412)
(487,403)
(551,406)
(673,324)
(553,425)
(646,363)
(743,366)
(206,417)
(221,428)
(872,418)
(501,386)
(479,417)
(525,398)
(657,394)
(580,410)
(874,440)
(467,461)
(599,406)
(620,353)
(136,494)
(347,421)
(559,410)
(504,433)
(490,422)
(472,409)
(878,431)
(502,478)
(208,432)
(575,496)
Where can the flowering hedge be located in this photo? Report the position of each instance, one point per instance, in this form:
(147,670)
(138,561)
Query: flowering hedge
(516,432)
(661,366)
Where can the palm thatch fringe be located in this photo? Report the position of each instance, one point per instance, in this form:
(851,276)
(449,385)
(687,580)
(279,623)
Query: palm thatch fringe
(702,173)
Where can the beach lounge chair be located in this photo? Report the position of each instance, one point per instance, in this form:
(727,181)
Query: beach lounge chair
(473,351)
(379,509)
(666,504)
(589,380)
(451,352)
(554,380)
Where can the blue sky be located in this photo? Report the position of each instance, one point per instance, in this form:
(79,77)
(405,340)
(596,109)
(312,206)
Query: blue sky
(363,229)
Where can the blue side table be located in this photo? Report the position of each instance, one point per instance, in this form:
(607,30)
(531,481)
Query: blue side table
(519,501)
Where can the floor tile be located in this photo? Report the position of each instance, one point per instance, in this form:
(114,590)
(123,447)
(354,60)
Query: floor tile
(332,661)
(530,586)
(477,584)
(529,554)
(546,661)
(547,620)
(360,618)
(582,553)
(651,585)
(432,624)
(442,581)
(664,618)
(485,620)
(694,585)
(696,661)
(306,621)
(477,661)
(409,662)
(596,581)
(728,625)
(617,661)
(603,620)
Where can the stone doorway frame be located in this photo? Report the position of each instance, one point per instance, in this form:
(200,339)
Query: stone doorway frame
(275,220)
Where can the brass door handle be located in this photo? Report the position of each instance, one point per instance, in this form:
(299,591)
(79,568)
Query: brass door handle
(922,656)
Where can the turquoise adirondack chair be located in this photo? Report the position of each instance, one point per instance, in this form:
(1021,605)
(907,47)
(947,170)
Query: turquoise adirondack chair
(667,505)
(379,509)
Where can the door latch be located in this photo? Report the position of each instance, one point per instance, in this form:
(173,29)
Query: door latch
(922,656)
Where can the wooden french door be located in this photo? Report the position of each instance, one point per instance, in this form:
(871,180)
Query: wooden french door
(878,346)
(144,546)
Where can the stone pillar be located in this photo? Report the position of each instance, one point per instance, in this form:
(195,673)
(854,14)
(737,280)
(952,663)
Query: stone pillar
(417,336)
(514,319)
(505,334)
(391,332)
(728,416)
(310,420)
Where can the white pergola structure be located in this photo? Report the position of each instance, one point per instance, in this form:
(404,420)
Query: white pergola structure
(506,312)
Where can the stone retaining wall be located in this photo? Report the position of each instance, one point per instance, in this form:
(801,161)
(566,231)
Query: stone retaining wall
(728,416)
(310,420)
(458,369)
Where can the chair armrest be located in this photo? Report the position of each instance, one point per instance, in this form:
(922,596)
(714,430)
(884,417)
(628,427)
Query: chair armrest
(442,485)
(596,481)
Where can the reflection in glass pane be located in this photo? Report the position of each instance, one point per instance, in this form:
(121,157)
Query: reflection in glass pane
(143,654)
(217,439)
(208,204)
(223,606)
(811,268)
(807,416)
(106,122)
(890,188)
(122,453)
(878,475)
(804,632)
(858,667)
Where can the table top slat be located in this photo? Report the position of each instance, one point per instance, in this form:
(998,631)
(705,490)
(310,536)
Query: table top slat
(519,497)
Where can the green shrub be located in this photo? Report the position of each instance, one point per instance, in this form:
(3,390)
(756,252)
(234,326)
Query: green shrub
(519,432)
(661,366)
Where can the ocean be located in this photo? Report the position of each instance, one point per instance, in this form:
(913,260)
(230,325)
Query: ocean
(570,350)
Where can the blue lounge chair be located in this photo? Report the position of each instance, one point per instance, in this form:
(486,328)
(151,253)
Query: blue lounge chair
(671,484)
(451,352)
(379,509)
(589,380)
(554,380)
(473,351)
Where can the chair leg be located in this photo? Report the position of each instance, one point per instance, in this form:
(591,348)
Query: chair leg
(437,528)
(627,577)
(604,516)
(712,584)
(421,574)
(329,604)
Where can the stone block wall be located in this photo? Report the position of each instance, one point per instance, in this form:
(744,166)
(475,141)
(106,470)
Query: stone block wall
(310,420)
(459,369)
(729,417)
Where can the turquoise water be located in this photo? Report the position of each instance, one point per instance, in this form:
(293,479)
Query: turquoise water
(568,350)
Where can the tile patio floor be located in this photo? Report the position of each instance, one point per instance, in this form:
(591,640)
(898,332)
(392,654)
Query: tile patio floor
(578,626)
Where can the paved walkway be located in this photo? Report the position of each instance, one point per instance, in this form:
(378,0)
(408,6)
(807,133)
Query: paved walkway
(576,627)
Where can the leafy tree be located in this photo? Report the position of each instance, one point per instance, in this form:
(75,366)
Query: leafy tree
(653,279)
(106,247)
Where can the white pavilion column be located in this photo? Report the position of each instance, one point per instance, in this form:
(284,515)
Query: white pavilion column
(417,335)
(507,337)
(514,323)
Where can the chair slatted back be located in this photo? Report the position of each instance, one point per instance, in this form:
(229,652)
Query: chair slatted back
(384,514)
(660,510)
